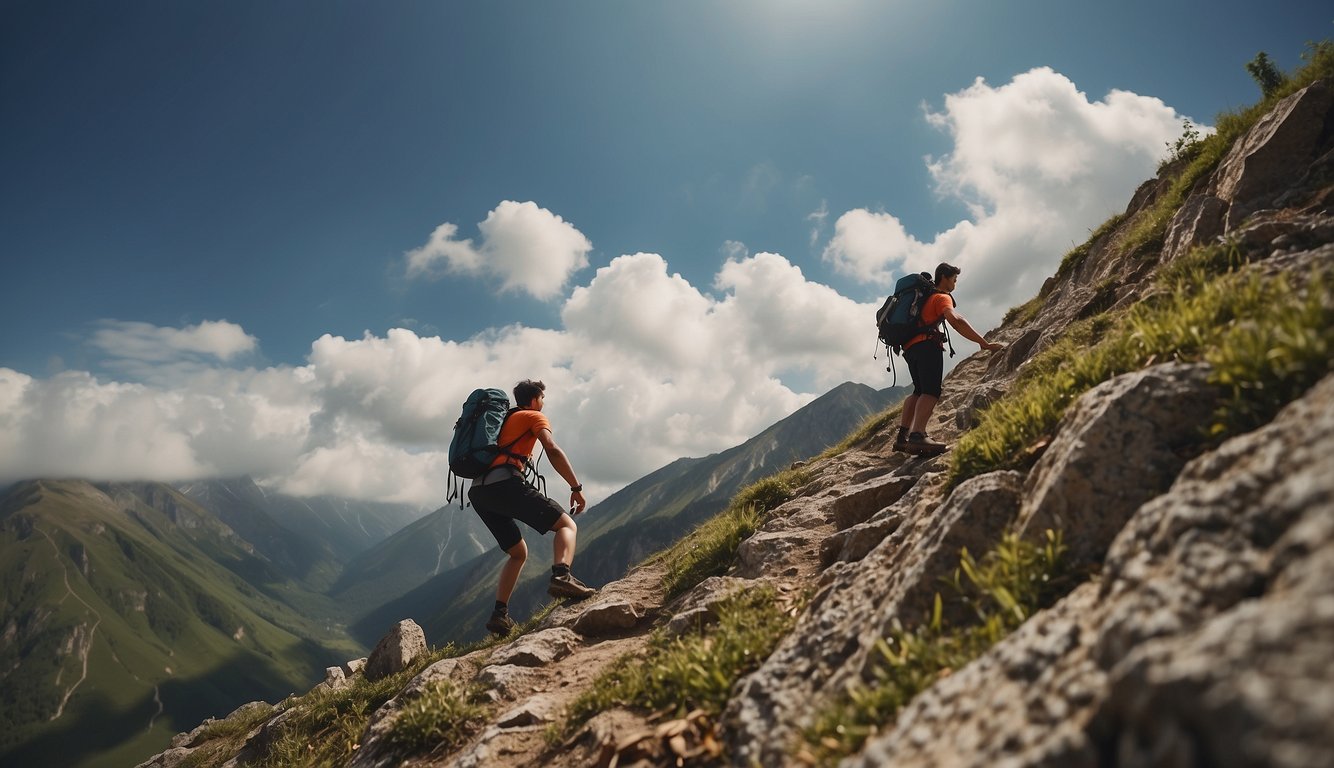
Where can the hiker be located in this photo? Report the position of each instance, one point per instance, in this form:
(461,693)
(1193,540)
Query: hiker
(502,495)
(925,354)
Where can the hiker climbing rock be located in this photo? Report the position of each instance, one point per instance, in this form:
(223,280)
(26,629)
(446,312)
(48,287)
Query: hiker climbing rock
(502,495)
(925,353)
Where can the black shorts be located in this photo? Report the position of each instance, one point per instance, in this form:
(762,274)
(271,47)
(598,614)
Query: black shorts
(926,365)
(500,504)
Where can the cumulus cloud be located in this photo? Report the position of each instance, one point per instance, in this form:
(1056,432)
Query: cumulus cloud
(646,368)
(146,352)
(155,344)
(526,247)
(1038,165)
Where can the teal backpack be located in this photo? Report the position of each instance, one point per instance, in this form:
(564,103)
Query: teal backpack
(899,319)
(476,442)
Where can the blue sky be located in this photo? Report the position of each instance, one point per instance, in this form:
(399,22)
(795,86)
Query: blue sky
(209,210)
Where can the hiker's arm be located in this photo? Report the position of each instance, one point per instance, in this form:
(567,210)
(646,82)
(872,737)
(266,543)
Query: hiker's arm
(561,463)
(963,327)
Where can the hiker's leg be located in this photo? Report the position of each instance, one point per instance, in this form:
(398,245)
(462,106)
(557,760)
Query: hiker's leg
(509,572)
(926,404)
(562,546)
(909,410)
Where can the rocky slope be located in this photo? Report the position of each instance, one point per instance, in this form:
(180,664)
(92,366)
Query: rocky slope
(1199,629)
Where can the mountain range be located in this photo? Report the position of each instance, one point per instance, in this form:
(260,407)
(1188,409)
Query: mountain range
(135,609)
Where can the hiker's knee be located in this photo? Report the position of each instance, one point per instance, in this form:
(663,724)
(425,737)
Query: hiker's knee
(519,551)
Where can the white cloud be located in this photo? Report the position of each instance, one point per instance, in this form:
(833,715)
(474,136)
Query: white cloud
(646,368)
(528,248)
(819,216)
(154,344)
(1038,165)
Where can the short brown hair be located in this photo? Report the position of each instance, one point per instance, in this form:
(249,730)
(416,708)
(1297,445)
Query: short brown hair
(944,270)
(526,391)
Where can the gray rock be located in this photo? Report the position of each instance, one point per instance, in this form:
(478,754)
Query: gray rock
(1207,640)
(396,651)
(1198,221)
(698,607)
(354,666)
(539,709)
(1274,152)
(1118,447)
(897,581)
(538,649)
(609,616)
(510,680)
(860,502)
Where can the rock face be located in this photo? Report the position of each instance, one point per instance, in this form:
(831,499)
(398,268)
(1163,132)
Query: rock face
(1207,641)
(1203,637)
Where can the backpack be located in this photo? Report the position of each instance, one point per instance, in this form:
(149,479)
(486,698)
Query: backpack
(476,441)
(900,317)
(475,445)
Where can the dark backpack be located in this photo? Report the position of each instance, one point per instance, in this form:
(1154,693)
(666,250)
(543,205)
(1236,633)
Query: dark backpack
(900,317)
(476,442)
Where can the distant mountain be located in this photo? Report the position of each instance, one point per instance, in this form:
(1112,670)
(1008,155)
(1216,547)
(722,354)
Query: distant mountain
(434,545)
(130,613)
(342,527)
(640,519)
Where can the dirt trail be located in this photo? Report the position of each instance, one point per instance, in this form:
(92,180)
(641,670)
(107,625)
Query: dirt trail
(87,645)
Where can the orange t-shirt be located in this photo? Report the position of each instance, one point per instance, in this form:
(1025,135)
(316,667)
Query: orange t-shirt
(932,313)
(523,427)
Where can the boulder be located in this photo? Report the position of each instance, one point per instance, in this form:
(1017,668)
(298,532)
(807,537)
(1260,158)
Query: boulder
(1275,151)
(396,651)
(1118,446)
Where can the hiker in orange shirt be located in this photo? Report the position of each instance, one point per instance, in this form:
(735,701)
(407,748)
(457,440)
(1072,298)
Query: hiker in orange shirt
(502,496)
(925,354)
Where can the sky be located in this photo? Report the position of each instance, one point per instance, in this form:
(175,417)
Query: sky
(285,240)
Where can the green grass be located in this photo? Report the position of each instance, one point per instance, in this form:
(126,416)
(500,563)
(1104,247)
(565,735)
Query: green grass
(871,426)
(443,716)
(1079,253)
(710,549)
(1267,342)
(1010,583)
(694,671)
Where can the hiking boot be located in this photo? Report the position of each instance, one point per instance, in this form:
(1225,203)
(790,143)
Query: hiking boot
(901,442)
(921,445)
(500,624)
(568,586)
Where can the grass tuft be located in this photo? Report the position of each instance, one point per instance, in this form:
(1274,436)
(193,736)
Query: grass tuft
(694,671)
(443,716)
(1011,583)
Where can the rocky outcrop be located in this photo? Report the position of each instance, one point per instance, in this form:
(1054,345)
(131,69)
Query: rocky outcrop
(1202,632)
(1207,641)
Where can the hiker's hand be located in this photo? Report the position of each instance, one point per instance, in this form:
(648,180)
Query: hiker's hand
(577,502)
(992,346)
